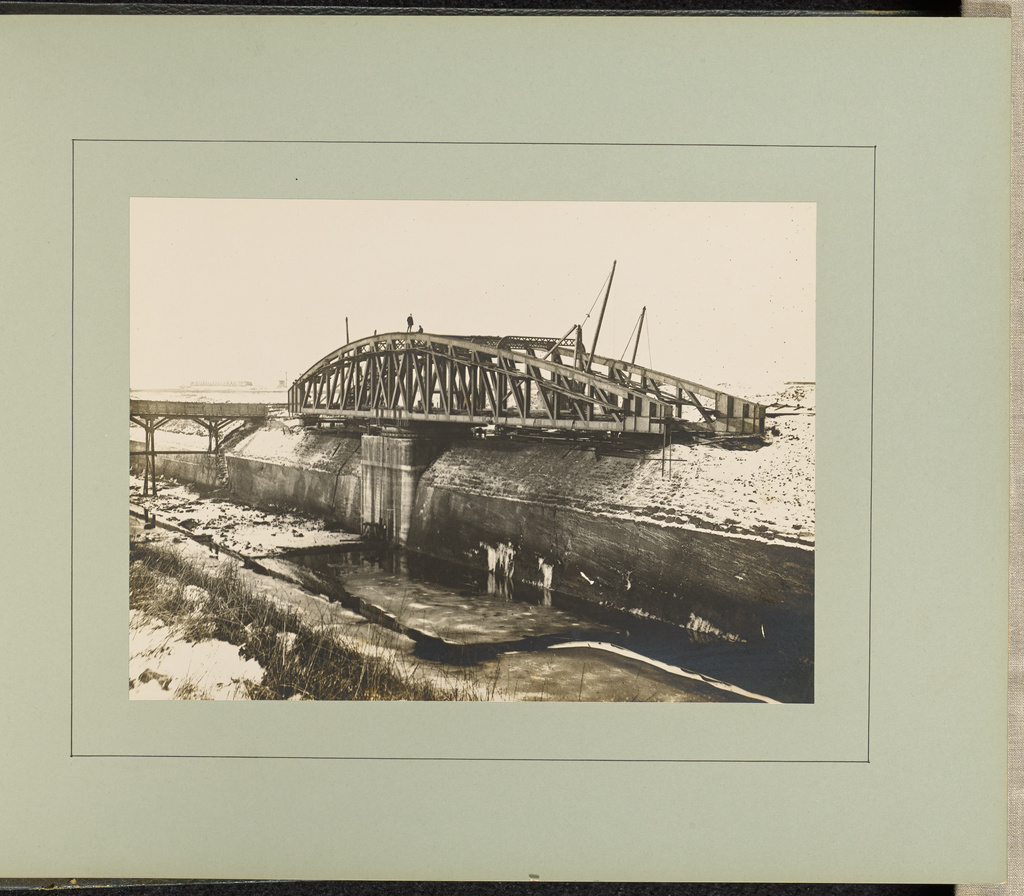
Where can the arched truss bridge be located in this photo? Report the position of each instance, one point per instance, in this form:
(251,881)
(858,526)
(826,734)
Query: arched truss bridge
(409,379)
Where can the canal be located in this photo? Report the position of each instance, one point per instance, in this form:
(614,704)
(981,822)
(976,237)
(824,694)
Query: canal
(462,615)
(539,642)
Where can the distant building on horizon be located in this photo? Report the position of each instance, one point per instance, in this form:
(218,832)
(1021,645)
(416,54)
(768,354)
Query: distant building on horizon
(219,384)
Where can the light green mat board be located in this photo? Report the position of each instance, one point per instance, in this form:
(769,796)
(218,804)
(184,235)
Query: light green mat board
(898,131)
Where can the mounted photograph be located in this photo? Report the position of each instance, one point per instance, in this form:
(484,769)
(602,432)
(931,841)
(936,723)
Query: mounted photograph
(471,450)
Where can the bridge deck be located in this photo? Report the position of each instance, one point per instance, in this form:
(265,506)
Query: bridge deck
(215,416)
(196,410)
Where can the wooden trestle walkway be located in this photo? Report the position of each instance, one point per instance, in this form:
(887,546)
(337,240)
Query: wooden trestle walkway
(213,416)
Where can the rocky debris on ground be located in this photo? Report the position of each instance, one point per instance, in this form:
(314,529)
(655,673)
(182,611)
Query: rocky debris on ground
(149,675)
(235,527)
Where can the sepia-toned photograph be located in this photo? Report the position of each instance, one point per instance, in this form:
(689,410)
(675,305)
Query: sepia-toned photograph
(471,450)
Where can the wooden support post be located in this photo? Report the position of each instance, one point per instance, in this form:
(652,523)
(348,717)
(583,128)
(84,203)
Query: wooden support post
(152,454)
(668,444)
(145,462)
(600,318)
(636,345)
(149,469)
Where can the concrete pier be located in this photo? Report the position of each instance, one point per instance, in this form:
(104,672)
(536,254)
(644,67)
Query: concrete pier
(390,470)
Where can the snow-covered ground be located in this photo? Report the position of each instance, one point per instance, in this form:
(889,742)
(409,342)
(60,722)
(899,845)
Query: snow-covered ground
(765,493)
(769,490)
(246,530)
(163,666)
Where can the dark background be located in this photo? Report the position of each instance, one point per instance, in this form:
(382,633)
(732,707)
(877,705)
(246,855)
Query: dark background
(487,7)
(370,888)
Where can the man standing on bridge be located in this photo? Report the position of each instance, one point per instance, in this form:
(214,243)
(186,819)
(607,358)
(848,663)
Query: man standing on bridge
(408,321)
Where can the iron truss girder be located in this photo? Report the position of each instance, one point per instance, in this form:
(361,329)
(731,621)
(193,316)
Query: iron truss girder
(474,380)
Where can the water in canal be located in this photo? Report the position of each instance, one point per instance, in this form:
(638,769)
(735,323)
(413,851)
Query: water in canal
(490,615)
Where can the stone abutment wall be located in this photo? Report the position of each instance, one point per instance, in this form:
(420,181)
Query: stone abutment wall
(554,516)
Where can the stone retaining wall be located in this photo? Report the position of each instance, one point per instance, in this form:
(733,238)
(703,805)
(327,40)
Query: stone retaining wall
(553,515)
(199,469)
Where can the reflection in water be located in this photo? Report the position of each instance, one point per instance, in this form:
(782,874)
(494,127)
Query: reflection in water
(500,586)
(501,566)
(545,571)
(786,674)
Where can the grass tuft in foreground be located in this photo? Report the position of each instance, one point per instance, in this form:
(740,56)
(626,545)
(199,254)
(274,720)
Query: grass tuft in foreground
(298,661)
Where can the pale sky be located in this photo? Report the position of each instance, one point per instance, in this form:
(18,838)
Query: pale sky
(241,289)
